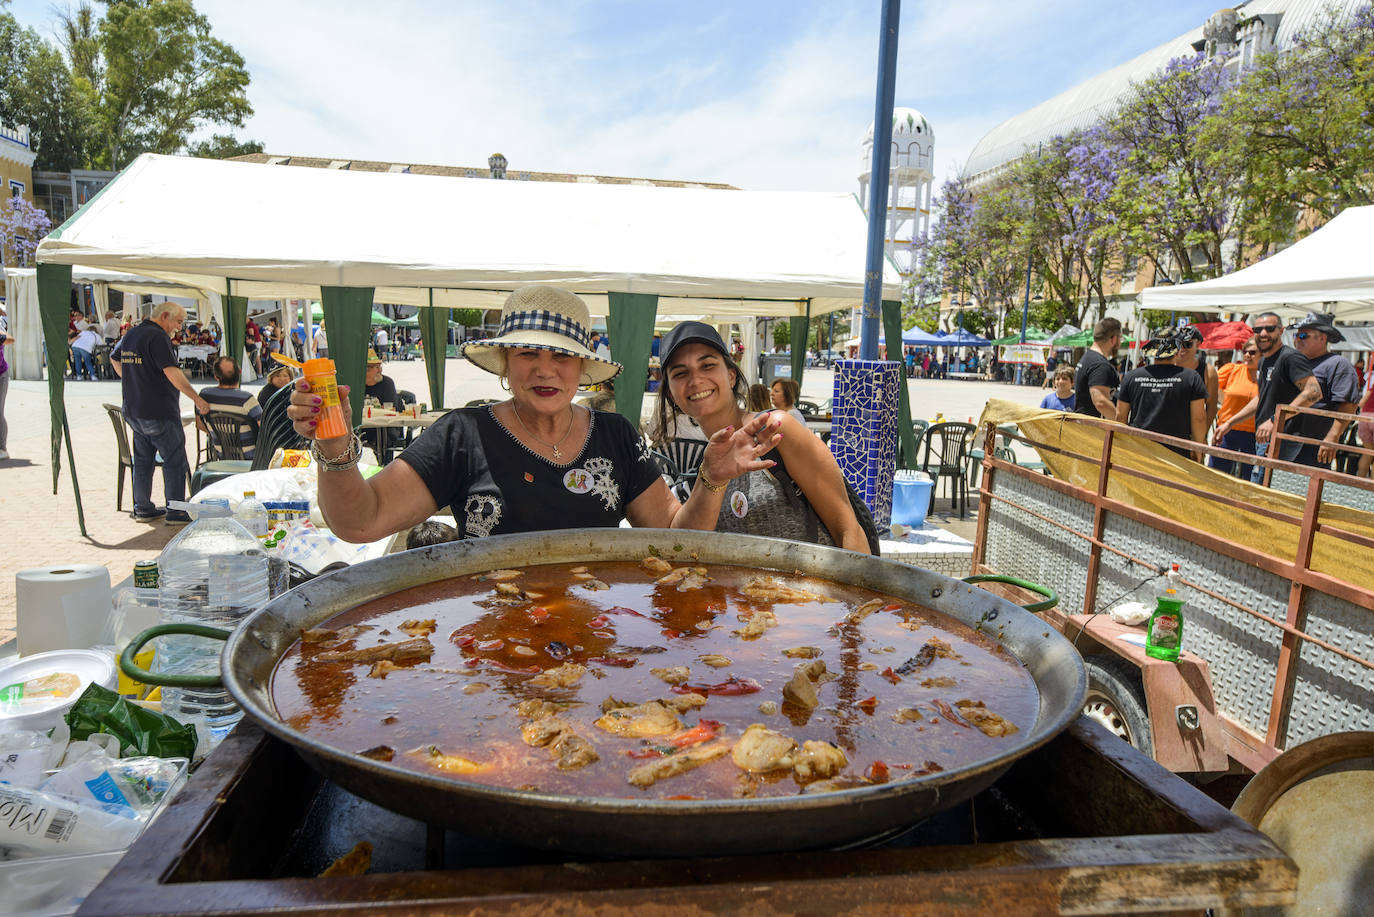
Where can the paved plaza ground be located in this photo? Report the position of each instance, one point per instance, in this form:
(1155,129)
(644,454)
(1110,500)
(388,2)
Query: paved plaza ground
(43,526)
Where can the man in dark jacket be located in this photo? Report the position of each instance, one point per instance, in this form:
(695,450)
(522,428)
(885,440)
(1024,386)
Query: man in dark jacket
(146,363)
(1284,377)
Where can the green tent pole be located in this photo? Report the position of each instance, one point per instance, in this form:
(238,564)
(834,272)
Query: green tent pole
(54,305)
(434,335)
(892,333)
(799,326)
(348,316)
(235,325)
(631,326)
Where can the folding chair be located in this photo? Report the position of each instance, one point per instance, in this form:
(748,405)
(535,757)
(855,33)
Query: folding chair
(125,455)
(948,444)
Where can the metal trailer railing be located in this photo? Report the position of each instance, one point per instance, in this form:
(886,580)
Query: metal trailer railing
(1290,649)
(1336,492)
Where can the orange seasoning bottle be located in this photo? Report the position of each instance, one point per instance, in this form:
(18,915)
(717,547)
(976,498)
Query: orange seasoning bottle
(320,374)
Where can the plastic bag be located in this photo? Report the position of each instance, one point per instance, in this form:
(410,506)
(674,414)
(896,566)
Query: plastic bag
(25,755)
(1131,613)
(36,824)
(139,731)
(128,787)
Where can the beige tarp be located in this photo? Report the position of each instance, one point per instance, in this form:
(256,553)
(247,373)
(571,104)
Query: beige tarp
(1330,555)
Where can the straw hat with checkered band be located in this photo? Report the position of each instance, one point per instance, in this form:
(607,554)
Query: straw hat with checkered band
(543,318)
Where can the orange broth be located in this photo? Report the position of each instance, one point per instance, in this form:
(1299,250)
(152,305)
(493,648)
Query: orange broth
(462,702)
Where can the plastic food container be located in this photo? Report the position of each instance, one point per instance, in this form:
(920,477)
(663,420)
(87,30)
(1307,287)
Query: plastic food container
(35,691)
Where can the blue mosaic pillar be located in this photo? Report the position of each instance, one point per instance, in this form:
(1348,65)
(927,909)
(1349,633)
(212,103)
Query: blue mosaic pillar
(863,434)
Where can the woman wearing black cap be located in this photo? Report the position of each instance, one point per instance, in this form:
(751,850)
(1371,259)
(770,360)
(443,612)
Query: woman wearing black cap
(805,484)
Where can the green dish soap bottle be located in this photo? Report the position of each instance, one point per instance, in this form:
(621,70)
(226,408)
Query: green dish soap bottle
(1164,637)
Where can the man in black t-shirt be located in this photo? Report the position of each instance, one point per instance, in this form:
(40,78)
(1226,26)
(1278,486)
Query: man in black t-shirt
(1095,382)
(1165,398)
(1284,377)
(146,363)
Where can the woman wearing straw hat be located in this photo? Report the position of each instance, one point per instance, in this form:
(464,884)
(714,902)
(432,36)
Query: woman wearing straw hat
(532,463)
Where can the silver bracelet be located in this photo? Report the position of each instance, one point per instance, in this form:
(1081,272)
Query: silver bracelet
(341,462)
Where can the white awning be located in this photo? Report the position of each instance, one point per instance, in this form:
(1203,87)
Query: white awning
(273,232)
(1330,270)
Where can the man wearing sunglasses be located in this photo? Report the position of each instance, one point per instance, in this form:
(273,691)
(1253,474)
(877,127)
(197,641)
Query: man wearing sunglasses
(1284,377)
(1339,382)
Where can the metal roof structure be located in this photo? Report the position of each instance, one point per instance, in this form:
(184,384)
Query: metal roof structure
(1096,98)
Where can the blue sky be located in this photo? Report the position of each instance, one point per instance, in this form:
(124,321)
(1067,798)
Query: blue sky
(763,95)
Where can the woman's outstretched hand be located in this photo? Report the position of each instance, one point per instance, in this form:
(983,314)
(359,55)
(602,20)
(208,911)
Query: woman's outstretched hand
(732,452)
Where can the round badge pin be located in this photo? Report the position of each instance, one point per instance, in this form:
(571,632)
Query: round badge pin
(578,480)
(739,504)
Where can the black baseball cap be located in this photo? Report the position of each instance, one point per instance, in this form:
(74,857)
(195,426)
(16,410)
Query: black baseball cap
(691,333)
(1320,321)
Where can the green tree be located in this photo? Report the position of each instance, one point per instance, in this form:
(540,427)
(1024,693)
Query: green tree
(157,75)
(36,90)
(468,318)
(224,146)
(782,334)
(1300,124)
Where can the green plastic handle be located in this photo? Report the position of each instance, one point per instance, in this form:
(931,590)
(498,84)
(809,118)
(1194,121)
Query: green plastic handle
(1051,597)
(132,669)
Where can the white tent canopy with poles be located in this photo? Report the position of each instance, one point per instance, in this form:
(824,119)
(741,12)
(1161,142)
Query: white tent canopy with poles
(1331,270)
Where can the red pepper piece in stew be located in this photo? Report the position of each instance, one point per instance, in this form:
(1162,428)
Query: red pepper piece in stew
(704,731)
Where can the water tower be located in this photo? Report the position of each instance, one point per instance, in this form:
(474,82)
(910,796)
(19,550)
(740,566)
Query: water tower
(909,184)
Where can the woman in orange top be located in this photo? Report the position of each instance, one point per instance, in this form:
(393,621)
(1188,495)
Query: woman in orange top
(1238,386)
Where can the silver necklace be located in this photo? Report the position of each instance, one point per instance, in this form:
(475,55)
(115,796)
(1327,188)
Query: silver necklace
(557,454)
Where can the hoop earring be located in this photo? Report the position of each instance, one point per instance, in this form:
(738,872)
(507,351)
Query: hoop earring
(505,386)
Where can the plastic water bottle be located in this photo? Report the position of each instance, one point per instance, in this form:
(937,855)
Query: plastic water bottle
(1164,638)
(252,515)
(215,573)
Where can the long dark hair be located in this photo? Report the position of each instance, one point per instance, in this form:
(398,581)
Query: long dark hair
(667,408)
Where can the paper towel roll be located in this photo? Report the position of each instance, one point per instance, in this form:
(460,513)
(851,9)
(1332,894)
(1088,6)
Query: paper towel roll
(61,607)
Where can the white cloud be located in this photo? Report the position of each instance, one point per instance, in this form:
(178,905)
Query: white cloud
(769,95)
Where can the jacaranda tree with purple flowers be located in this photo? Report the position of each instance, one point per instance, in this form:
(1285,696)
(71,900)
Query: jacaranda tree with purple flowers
(22,227)
(1174,201)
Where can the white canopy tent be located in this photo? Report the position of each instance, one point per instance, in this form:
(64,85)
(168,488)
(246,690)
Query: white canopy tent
(1331,270)
(27,329)
(273,232)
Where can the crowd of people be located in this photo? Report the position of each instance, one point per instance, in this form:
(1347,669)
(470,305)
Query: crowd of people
(1180,392)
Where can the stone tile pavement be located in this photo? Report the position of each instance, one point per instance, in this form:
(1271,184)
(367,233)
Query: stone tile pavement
(42,526)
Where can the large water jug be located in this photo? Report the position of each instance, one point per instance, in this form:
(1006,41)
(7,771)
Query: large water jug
(215,573)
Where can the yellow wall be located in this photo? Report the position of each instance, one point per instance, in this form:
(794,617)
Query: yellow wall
(13,171)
